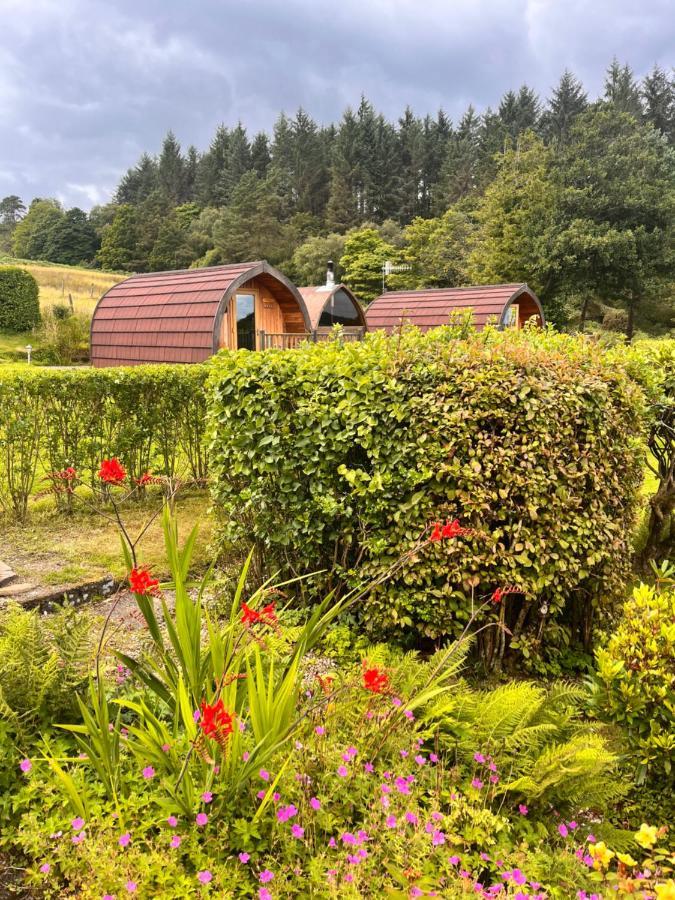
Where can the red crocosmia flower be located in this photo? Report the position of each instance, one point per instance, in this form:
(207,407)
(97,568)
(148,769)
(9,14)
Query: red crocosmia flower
(498,595)
(436,534)
(141,582)
(112,471)
(216,722)
(145,479)
(452,529)
(68,474)
(250,616)
(375,680)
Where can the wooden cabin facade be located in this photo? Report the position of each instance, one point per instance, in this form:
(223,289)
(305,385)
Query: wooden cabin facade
(187,316)
(504,305)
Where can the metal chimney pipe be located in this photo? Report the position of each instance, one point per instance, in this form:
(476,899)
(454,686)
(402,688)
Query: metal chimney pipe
(330,273)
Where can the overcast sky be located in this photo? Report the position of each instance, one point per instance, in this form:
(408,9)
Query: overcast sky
(86,86)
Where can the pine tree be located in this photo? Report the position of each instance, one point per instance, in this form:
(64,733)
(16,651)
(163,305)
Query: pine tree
(308,168)
(171,171)
(658,92)
(622,90)
(437,134)
(120,241)
(211,167)
(567,102)
(458,177)
(191,169)
(260,154)
(237,164)
(342,211)
(139,182)
(411,180)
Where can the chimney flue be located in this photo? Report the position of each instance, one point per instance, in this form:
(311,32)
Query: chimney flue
(330,273)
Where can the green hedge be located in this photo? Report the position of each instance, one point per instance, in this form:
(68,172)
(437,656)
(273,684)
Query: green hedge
(152,417)
(19,303)
(336,457)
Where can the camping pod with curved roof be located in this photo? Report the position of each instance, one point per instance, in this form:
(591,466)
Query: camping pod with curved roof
(502,304)
(188,315)
(333,304)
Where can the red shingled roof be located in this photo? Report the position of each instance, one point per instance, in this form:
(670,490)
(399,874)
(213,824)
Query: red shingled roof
(431,308)
(168,316)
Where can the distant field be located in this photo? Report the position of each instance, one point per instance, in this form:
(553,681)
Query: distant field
(85,286)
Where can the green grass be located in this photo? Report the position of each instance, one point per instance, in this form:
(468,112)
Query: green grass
(13,347)
(54,549)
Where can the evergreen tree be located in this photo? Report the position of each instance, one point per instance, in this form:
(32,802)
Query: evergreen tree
(621,89)
(518,112)
(658,92)
(413,201)
(119,243)
(11,211)
(342,211)
(437,135)
(260,154)
(191,169)
(139,182)
(459,173)
(309,172)
(171,249)
(71,240)
(237,164)
(567,102)
(171,171)
(211,167)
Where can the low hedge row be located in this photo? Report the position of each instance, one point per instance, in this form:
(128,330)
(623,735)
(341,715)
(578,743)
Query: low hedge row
(152,417)
(337,457)
(19,299)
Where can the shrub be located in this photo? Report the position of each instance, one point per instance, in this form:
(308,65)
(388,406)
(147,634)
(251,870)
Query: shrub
(63,339)
(335,457)
(151,416)
(635,682)
(19,304)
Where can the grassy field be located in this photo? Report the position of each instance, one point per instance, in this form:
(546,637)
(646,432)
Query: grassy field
(57,283)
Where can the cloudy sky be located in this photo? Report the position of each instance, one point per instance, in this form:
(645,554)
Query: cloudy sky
(86,86)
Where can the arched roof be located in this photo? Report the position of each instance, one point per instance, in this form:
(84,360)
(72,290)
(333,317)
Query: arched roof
(175,316)
(316,299)
(431,308)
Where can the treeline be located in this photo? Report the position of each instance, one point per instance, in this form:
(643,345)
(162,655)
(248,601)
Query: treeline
(574,196)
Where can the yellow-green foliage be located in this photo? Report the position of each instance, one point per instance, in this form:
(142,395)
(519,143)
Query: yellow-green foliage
(635,681)
(19,308)
(43,662)
(333,457)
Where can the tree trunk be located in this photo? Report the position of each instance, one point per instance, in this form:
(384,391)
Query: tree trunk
(630,325)
(584,313)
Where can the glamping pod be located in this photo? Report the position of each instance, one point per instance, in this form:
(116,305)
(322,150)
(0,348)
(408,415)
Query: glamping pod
(502,304)
(334,304)
(188,315)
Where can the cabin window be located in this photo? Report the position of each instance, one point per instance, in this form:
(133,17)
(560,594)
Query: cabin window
(339,310)
(245,309)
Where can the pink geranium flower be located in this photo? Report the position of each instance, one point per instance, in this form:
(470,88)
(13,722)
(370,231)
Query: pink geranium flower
(25,765)
(320,730)
(131,887)
(77,823)
(244,858)
(522,809)
(390,821)
(175,842)
(477,783)
(207,797)
(125,840)
(201,819)
(342,771)
(297,831)
(204,877)
(478,757)
(173,821)
(264,774)
(45,868)
(148,773)
(315,803)
(264,894)
(562,830)
(266,876)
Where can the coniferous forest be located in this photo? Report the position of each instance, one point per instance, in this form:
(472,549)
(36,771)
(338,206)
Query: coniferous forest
(573,194)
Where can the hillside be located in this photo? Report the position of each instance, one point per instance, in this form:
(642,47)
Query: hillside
(57,282)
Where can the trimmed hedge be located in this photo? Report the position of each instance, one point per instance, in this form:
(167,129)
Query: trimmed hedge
(19,299)
(151,416)
(337,457)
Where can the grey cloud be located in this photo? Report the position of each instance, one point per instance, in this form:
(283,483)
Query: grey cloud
(86,86)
